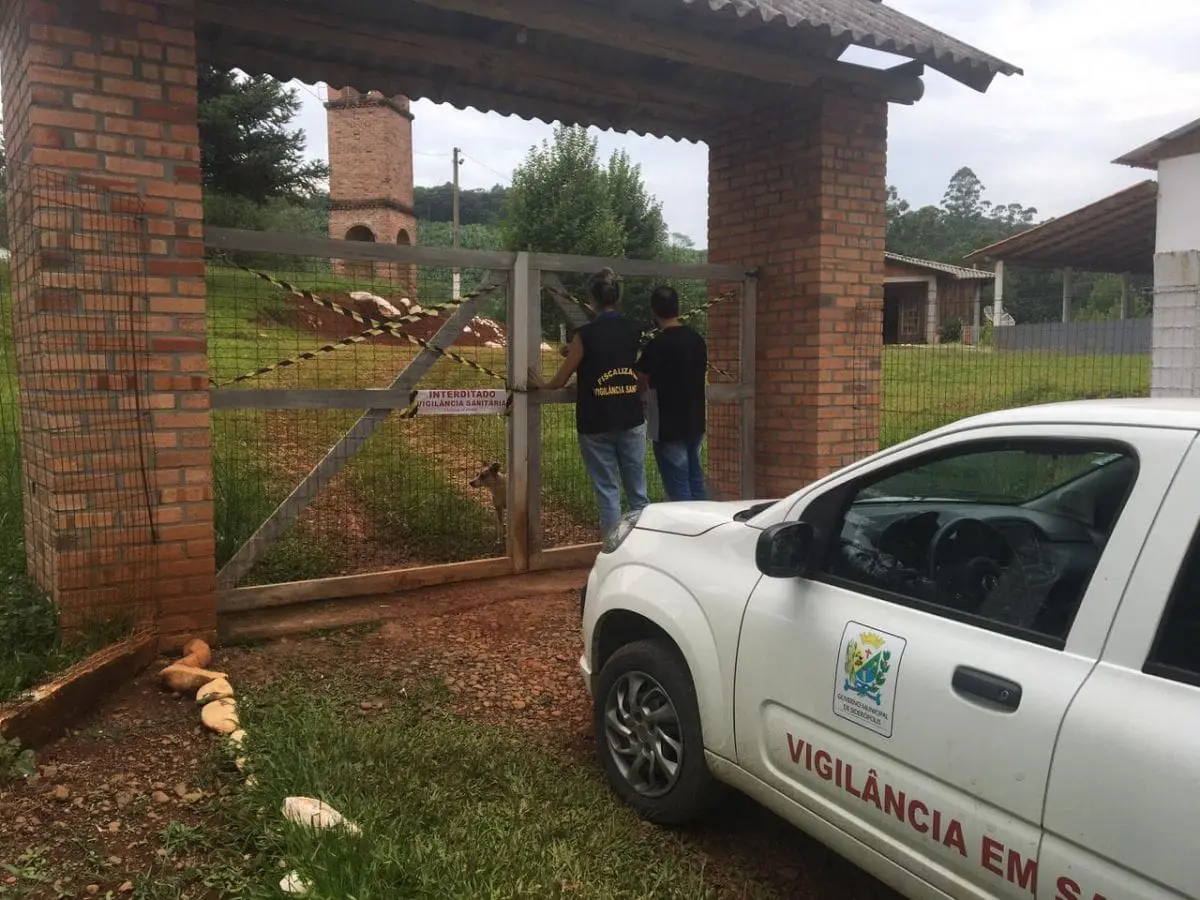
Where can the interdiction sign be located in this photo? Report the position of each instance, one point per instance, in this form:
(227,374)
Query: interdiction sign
(462,402)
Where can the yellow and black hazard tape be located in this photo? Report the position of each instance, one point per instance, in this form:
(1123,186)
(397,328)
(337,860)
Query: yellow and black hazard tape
(360,338)
(649,333)
(376,326)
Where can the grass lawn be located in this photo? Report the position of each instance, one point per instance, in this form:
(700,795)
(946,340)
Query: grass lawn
(926,387)
(411,475)
(448,808)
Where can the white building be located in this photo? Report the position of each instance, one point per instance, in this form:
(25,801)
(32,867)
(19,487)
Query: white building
(1176,158)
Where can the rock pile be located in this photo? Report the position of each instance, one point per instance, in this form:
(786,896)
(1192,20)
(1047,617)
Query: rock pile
(218,713)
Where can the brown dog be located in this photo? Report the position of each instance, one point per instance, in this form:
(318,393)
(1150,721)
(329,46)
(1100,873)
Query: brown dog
(491,480)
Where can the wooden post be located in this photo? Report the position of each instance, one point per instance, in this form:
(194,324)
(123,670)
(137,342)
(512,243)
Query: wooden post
(525,425)
(1066,297)
(1123,309)
(747,370)
(533,428)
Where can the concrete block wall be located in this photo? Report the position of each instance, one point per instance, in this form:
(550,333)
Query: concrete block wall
(1175,366)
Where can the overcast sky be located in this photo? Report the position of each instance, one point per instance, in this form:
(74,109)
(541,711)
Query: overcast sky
(1101,77)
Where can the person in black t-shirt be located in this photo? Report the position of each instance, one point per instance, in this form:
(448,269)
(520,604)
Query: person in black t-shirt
(608,410)
(673,368)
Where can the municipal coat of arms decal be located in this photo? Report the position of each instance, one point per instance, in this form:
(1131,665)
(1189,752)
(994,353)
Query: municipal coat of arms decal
(868,662)
(865,681)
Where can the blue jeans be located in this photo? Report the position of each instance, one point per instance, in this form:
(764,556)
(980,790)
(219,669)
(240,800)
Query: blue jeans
(609,455)
(679,465)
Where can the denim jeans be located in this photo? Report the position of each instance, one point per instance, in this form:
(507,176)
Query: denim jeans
(611,456)
(679,465)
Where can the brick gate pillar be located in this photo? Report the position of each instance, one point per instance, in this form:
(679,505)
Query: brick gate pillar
(800,191)
(101,96)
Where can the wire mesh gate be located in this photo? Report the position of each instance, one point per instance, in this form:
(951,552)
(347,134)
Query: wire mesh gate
(326,482)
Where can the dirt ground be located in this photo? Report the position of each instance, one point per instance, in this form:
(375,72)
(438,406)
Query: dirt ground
(107,796)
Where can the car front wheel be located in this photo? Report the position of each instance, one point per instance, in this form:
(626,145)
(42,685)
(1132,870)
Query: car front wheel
(648,734)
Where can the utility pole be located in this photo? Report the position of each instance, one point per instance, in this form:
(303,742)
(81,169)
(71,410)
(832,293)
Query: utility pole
(457,277)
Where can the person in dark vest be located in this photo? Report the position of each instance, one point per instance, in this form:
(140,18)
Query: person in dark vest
(608,409)
(673,368)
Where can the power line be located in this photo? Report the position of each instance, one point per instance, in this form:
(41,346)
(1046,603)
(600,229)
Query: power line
(485,165)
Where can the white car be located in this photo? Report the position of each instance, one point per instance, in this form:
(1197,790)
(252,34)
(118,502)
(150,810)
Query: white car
(969,663)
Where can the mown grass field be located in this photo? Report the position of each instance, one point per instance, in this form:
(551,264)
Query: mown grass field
(407,486)
(926,387)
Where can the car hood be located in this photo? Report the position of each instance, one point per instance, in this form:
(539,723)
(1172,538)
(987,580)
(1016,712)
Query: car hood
(691,518)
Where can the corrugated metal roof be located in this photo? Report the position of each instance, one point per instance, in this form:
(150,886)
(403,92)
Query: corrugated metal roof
(467,53)
(1183,141)
(1115,234)
(959,272)
(871,24)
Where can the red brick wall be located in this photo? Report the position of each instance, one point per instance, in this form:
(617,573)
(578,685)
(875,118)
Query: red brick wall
(801,193)
(371,175)
(105,93)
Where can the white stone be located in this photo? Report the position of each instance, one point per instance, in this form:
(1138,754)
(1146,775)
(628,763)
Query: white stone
(217,689)
(220,716)
(292,883)
(315,814)
(381,304)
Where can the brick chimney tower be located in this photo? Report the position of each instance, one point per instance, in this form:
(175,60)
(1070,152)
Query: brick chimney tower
(371,176)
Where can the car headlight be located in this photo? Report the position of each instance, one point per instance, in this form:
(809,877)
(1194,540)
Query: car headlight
(620,531)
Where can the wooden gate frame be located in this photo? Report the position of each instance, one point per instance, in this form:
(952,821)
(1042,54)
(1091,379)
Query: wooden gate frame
(525,274)
(532,271)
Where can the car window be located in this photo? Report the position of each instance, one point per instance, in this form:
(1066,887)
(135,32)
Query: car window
(1014,476)
(1176,650)
(1005,536)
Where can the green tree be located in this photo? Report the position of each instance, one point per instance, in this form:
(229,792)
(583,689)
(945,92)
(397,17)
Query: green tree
(478,206)
(247,148)
(966,221)
(564,200)
(638,214)
(559,200)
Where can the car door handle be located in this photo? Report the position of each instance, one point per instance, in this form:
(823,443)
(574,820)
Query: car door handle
(986,686)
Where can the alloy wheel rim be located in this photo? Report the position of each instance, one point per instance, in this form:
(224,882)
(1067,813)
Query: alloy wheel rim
(643,733)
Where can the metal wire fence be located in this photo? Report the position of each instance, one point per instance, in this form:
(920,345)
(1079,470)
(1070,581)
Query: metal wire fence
(308,486)
(924,386)
(394,490)
(76,498)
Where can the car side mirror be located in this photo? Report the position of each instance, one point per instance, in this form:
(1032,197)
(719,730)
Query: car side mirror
(783,550)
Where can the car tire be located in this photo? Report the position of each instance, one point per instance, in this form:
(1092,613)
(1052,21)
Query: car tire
(646,718)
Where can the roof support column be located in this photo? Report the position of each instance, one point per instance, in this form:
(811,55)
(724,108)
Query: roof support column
(104,198)
(800,191)
(1123,309)
(998,294)
(1067,281)
(932,323)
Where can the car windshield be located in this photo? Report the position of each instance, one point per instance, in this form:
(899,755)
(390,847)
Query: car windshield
(1007,477)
